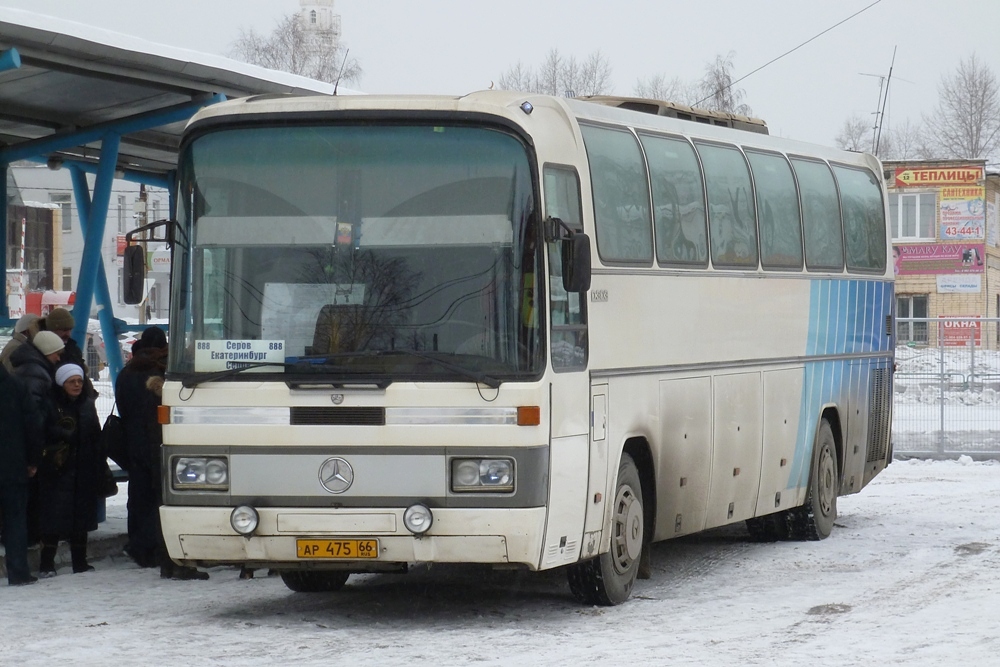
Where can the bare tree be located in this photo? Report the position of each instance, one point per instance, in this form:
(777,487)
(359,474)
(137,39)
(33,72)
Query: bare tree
(559,75)
(903,142)
(517,77)
(854,135)
(966,122)
(595,75)
(317,54)
(658,88)
(717,90)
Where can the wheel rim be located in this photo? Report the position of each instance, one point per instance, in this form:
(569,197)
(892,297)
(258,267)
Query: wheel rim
(827,481)
(627,539)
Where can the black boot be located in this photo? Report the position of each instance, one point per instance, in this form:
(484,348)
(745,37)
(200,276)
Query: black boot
(47,560)
(186,573)
(79,554)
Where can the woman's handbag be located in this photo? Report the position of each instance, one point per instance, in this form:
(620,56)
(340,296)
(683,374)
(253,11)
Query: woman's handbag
(112,441)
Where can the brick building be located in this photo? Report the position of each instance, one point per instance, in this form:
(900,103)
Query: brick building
(946,248)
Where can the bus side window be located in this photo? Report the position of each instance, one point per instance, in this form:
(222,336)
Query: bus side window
(731,213)
(621,196)
(780,223)
(864,219)
(568,310)
(678,201)
(824,239)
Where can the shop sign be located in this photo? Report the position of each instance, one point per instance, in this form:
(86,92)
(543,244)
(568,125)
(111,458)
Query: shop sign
(926,177)
(963,214)
(914,259)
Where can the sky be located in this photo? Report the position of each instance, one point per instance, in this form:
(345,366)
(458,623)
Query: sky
(907,578)
(458,46)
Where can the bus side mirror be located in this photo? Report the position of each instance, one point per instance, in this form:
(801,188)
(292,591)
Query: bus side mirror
(134,274)
(576,263)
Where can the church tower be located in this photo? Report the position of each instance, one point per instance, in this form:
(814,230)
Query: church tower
(319,21)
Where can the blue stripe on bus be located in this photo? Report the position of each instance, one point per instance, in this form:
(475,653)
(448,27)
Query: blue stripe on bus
(845,317)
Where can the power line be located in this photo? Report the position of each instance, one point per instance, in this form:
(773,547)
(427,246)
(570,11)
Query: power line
(774,60)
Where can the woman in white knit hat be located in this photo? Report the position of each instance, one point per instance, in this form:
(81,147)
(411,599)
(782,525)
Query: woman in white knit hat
(71,473)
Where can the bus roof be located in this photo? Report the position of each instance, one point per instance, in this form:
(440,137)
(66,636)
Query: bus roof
(681,111)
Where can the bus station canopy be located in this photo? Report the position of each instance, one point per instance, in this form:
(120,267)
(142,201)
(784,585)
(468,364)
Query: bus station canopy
(66,79)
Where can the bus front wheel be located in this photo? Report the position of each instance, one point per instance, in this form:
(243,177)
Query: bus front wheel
(314,582)
(814,520)
(608,579)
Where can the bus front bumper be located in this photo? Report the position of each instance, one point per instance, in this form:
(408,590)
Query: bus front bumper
(203,536)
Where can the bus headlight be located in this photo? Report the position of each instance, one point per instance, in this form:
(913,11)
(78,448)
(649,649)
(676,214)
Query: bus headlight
(244,519)
(201,472)
(482,475)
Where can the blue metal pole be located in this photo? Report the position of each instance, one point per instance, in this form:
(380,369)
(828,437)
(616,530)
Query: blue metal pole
(130,175)
(105,307)
(66,140)
(90,264)
(9,59)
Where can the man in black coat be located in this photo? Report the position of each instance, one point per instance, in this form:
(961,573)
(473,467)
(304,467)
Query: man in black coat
(20,451)
(138,392)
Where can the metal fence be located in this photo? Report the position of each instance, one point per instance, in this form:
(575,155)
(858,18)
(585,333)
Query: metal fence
(947,388)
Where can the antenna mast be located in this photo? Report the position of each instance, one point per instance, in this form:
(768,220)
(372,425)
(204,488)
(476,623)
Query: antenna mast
(343,65)
(883,95)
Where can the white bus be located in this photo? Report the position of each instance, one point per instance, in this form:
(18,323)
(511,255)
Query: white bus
(516,330)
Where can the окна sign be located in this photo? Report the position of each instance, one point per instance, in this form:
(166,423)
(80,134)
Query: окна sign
(959,333)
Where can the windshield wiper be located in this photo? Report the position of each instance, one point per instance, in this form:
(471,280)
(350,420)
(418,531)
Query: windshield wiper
(469,373)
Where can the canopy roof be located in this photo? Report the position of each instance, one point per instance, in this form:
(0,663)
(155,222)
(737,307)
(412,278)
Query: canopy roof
(75,81)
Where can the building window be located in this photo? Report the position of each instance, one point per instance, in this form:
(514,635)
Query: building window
(911,307)
(67,279)
(312,17)
(913,215)
(156,209)
(65,203)
(121,214)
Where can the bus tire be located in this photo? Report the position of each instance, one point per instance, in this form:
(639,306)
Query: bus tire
(608,579)
(814,519)
(768,528)
(314,581)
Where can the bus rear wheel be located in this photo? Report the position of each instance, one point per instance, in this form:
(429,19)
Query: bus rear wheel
(814,520)
(314,582)
(608,579)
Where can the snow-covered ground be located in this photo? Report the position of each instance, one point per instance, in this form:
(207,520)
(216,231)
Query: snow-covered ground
(909,577)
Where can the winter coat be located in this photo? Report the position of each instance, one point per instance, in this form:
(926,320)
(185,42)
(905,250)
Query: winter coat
(16,341)
(37,372)
(137,405)
(71,474)
(21,434)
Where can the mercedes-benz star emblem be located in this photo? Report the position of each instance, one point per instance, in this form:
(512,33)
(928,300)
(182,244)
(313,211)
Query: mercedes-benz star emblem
(336,475)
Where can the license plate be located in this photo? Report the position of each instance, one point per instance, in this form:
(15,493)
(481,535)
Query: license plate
(349,549)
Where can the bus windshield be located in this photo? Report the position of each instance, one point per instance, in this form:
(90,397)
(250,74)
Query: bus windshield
(358,252)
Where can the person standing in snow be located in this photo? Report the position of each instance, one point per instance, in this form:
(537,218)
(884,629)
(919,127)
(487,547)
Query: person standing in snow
(138,390)
(20,451)
(35,365)
(70,474)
